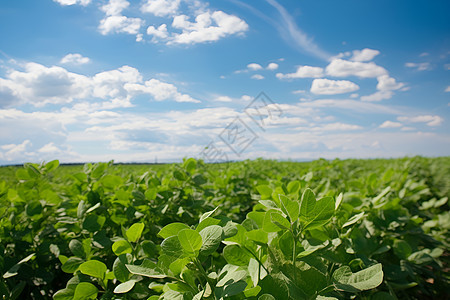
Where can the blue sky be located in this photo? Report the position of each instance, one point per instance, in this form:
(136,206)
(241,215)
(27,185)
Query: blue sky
(139,81)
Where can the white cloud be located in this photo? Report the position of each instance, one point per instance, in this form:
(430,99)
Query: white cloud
(160,91)
(254,67)
(302,72)
(50,148)
(332,87)
(272,66)
(296,35)
(364,54)
(257,77)
(115,7)
(207,27)
(160,32)
(378,96)
(13,151)
(390,124)
(447,89)
(223,99)
(386,83)
(120,24)
(75,59)
(73,2)
(428,119)
(419,66)
(298,92)
(161,8)
(39,85)
(344,68)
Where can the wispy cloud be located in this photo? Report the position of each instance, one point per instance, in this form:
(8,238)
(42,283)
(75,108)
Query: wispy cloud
(292,33)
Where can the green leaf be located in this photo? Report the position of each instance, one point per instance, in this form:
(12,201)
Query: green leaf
(258,235)
(293,187)
(280,221)
(338,201)
(13,271)
(235,255)
(51,165)
(290,207)
(211,237)
(93,268)
(315,213)
(147,270)
(171,230)
(72,264)
(76,247)
(208,214)
(64,294)
(121,272)
(353,219)
(125,287)
(266,297)
(286,244)
(402,249)
(171,246)
(93,223)
(268,224)
(190,240)
(121,247)
(264,190)
(366,279)
(84,291)
(134,232)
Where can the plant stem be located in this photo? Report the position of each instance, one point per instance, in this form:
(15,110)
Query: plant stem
(294,256)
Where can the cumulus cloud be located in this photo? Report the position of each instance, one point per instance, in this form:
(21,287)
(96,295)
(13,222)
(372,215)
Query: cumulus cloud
(344,68)
(332,87)
(160,91)
(223,99)
(207,27)
(161,8)
(254,67)
(257,77)
(272,66)
(302,72)
(390,124)
(120,24)
(115,7)
(13,151)
(364,54)
(39,85)
(386,85)
(74,59)
(73,2)
(419,66)
(428,119)
(158,33)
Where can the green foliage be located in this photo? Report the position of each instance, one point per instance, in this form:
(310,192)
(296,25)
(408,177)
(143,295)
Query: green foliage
(370,229)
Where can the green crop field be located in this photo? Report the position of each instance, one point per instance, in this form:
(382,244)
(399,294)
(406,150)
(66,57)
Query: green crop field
(261,229)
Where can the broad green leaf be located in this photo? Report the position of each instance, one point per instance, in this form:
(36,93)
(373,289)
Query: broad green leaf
(280,221)
(93,268)
(134,232)
(121,247)
(293,187)
(258,217)
(235,255)
(264,190)
(266,297)
(64,294)
(353,219)
(72,264)
(211,237)
(315,213)
(290,207)
(51,165)
(252,292)
(402,249)
(268,224)
(286,244)
(171,230)
(207,222)
(93,222)
(13,271)
(190,240)
(119,267)
(125,287)
(111,181)
(171,246)
(151,272)
(366,279)
(258,236)
(84,291)
(76,247)
(177,266)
